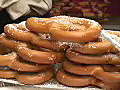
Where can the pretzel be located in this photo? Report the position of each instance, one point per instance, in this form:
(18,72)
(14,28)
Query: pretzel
(4,50)
(100,47)
(66,28)
(39,78)
(95,70)
(14,62)
(39,25)
(75,29)
(28,78)
(87,59)
(86,69)
(27,67)
(108,77)
(28,54)
(78,80)
(96,48)
(6,72)
(18,33)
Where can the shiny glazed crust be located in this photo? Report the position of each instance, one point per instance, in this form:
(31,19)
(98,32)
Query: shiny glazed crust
(90,59)
(40,57)
(66,28)
(78,80)
(108,76)
(17,33)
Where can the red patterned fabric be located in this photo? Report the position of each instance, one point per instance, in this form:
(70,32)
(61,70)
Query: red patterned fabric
(95,9)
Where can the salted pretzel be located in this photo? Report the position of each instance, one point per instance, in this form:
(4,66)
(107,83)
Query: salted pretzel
(93,59)
(14,62)
(27,77)
(39,25)
(87,69)
(108,76)
(28,67)
(99,47)
(78,80)
(96,48)
(66,28)
(28,54)
(4,50)
(6,72)
(18,33)
(35,78)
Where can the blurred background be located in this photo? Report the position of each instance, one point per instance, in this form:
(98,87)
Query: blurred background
(107,12)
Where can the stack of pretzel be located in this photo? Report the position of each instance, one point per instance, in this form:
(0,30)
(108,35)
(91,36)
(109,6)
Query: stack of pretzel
(93,62)
(38,43)
(30,55)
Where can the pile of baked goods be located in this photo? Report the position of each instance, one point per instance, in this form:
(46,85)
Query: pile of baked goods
(29,50)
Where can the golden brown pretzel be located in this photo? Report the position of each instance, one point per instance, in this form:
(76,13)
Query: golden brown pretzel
(108,77)
(95,70)
(26,67)
(3,49)
(78,80)
(7,74)
(72,80)
(14,62)
(28,54)
(66,28)
(38,78)
(39,24)
(74,29)
(13,31)
(88,59)
(86,69)
(28,77)
(6,59)
(95,48)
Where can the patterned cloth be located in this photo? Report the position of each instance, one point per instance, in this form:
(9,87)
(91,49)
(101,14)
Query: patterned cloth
(94,9)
